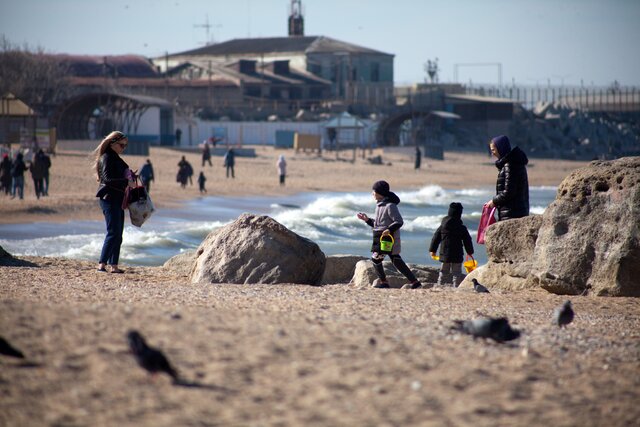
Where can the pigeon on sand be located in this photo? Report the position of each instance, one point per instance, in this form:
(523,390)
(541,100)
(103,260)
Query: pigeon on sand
(497,329)
(563,315)
(149,358)
(478,287)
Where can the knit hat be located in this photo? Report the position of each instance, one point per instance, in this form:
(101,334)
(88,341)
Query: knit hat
(502,145)
(381,187)
(455,210)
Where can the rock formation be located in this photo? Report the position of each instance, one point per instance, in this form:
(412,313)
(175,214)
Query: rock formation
(340,269)
(364,274)
(257,249)
(588,239)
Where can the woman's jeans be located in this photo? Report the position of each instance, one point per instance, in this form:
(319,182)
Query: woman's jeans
(114,217)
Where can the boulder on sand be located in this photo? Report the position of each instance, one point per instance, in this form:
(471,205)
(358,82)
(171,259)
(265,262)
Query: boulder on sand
(588,239)
(182,263)
(340,269)
(257,249)
(365,274)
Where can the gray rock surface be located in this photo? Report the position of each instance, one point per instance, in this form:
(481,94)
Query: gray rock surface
(588,239)
(257,249)
(340,269)
(365,274)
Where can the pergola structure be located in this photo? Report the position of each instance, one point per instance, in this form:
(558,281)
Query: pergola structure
(93,115)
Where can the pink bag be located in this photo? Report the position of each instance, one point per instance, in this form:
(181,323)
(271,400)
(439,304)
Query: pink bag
(486,220)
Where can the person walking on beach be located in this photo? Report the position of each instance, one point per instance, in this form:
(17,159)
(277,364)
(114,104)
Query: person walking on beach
(418,162)
(37,173)
(201,180)
(47,165)
(113,175)
(146,175)
(230,162)
(206,154)
(451,236)
(5,174)
(512,186)
(387,222)
(185,170)
(281,164)
(18,169)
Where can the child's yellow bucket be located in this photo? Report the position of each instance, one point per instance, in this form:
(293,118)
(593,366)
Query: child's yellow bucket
(435,257)
(386,243)
(470,264)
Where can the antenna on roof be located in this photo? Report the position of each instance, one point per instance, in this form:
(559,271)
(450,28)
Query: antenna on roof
(207,27)
(296,20)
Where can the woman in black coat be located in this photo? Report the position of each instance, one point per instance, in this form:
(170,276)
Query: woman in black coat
(114,176)
(512,186)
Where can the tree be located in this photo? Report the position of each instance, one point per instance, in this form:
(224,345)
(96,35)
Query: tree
(38,79)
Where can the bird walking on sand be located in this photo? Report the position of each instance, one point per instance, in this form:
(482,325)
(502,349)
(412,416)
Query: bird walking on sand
(149,358)
(497,329)
(563,315)
(9,350)
(478,287)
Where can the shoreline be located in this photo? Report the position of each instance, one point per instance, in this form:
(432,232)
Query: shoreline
(72,185)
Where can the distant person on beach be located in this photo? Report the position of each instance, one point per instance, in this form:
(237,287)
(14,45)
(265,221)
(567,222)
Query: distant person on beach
(47,165)
(387,222)
(230,162)
(281,165)
(512,186)
(146,175)
(37,168)
(178,136)
(185,171)
(112,173)
(5,174)
(18,168)
(418,159)
(206,154)
(201,180)
(452,237)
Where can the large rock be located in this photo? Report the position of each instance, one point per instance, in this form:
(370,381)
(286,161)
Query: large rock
(364,274)
(181,264)
(257,249)
(587,239)
(339,269)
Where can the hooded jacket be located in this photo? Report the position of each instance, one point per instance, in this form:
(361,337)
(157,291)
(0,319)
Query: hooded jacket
(451,236)
(512,186)
(387,217)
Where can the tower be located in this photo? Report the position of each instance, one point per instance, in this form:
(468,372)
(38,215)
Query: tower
(296,21)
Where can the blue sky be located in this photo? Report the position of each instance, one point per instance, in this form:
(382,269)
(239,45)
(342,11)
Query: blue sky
(536,41)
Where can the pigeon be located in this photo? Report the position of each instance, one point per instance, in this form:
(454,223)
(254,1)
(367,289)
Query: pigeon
(149,358)
(563,315)
(9,350)
(479,288)
(497,329)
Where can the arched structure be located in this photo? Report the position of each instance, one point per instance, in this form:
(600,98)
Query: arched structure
(92,115)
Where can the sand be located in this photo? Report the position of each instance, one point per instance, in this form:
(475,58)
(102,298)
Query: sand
(281,355)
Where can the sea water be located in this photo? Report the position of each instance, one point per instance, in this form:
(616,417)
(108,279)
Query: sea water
(329,219)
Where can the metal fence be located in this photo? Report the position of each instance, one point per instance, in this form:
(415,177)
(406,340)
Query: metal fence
(610,100)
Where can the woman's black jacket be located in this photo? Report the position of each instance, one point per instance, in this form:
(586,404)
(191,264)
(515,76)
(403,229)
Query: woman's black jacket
(113,181)
(512,187)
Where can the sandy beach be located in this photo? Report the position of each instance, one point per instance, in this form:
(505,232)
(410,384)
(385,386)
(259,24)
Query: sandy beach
(295,355)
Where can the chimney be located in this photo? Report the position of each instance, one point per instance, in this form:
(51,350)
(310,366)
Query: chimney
(296,21)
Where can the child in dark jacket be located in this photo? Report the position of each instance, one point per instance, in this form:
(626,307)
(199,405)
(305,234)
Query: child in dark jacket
(453,235)
(387,222)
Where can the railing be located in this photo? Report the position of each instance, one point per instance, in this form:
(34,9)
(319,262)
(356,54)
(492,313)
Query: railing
(611,100)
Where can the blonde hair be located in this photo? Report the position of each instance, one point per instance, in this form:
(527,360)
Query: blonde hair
(113,137)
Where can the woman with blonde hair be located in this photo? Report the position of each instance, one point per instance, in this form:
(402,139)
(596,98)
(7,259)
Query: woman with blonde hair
(114,175)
